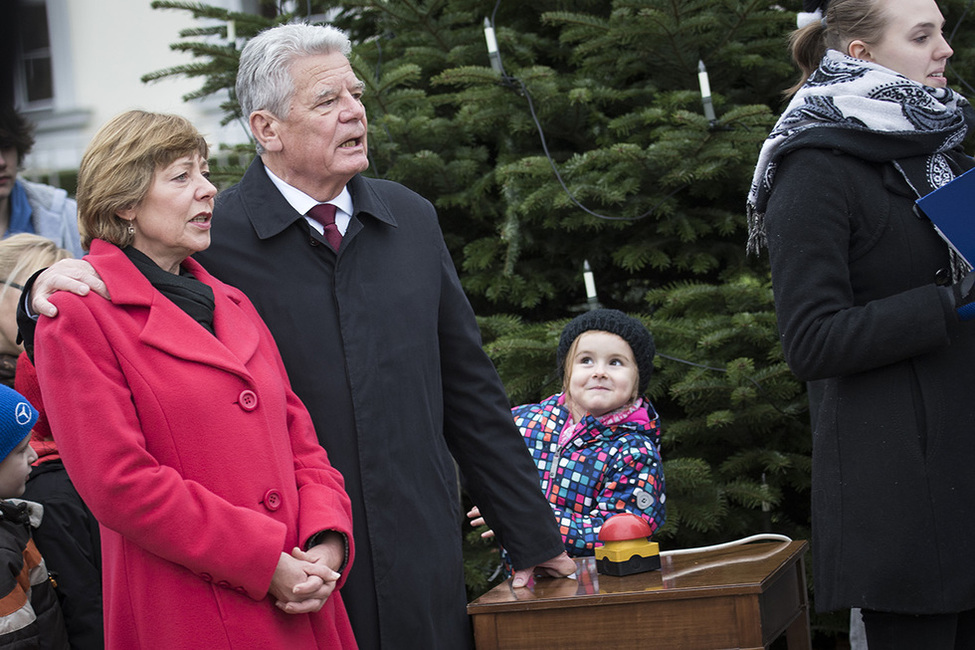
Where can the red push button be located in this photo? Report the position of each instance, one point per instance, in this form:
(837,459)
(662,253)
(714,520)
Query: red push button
(272,500)
(247,400)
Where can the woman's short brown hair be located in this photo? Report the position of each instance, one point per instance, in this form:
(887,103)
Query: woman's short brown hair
(118,167)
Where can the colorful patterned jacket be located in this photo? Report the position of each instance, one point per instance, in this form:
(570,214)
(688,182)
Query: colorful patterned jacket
(608,465)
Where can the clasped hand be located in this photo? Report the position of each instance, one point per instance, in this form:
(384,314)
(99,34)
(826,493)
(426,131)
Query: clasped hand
(303,581)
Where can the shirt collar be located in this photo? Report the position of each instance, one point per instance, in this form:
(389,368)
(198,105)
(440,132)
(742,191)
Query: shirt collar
(302,203)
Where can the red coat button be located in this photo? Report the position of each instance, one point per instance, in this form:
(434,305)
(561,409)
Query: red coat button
(272,500)
(247,400)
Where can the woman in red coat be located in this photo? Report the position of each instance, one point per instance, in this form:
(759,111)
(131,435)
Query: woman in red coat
(223,524)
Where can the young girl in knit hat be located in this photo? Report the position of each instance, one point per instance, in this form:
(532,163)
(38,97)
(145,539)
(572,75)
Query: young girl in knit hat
(30,615)
(597,443)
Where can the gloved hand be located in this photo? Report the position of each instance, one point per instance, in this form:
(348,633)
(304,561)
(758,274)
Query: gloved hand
(964,293)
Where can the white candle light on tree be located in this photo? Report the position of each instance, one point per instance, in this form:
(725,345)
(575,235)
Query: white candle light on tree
(702,79)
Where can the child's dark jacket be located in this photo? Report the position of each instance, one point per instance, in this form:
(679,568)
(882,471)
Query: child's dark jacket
(29,613)
(69,540)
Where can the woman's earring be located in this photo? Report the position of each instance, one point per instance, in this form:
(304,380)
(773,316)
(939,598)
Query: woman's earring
(131,229)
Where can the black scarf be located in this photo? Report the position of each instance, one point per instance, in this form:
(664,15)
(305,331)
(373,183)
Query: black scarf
(868,111)
(188,293)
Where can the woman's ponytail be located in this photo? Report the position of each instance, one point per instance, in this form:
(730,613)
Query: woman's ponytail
(807,45)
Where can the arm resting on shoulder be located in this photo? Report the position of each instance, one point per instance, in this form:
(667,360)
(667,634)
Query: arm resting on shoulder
(75,276)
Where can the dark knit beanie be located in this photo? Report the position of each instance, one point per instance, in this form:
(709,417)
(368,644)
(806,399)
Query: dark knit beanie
(17,416)
(615,322)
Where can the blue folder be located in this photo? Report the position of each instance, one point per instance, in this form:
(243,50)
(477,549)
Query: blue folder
(951,208)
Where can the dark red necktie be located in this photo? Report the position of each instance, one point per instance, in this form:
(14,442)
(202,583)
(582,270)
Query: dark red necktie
(324,213)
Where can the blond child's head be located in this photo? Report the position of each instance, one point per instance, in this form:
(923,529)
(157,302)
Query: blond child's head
(606,359)
(17,416)
(20,256)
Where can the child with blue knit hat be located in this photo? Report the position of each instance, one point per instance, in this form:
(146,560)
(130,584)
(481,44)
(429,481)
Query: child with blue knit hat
(596,443)
(29,612)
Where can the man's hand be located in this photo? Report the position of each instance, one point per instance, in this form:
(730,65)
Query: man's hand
(477,520)
(75,276)
(559,566)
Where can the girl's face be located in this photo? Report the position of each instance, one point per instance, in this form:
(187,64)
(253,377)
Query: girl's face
(603,374)
(912,44)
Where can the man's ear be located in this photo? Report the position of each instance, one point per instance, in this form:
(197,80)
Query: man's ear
(264,126)
(859,50)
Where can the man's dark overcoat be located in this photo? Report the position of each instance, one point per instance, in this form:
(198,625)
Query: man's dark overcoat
(381,344)
(854,271)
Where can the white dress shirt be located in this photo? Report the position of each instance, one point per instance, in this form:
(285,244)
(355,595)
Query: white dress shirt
(302,203)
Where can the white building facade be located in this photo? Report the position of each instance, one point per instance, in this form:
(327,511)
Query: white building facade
(80,62)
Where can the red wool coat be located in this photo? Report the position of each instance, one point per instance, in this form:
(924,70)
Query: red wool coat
(196,457)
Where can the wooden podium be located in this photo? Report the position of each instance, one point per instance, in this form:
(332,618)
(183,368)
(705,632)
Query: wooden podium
(743,597)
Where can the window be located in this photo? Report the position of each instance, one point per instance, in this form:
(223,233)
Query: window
(34,84)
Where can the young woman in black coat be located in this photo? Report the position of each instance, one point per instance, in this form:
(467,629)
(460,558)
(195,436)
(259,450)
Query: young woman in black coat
(866,297)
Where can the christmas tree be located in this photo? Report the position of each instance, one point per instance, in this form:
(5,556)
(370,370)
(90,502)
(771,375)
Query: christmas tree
(585,140)
(558,135)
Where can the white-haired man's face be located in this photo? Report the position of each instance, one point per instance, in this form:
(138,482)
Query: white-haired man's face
(321,144)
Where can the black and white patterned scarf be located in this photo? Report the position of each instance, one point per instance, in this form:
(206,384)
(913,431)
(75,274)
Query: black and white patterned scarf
(873,113)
